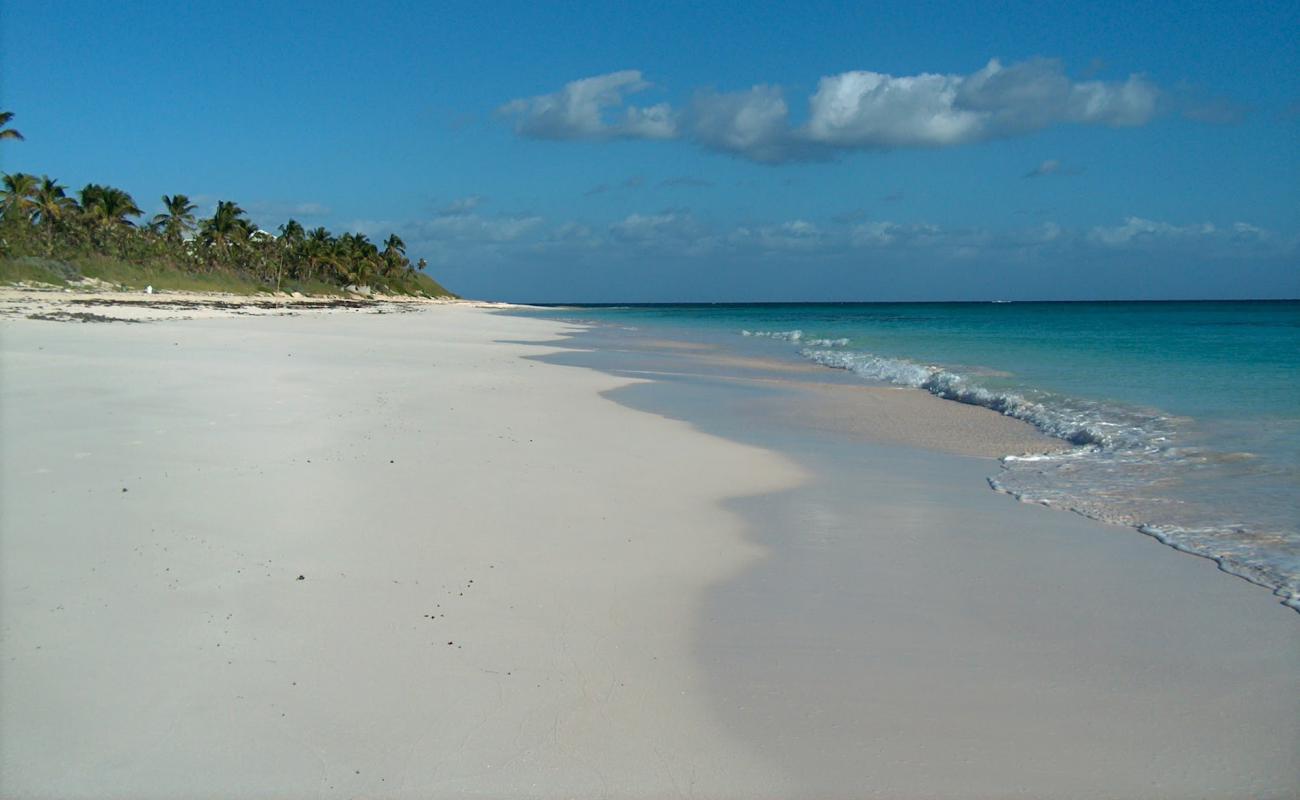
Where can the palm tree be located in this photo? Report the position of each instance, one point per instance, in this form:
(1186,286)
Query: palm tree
(358,258)
(52,204)
(394,256)
(105,209)
(394,244)
(227,226)
(108,207)
(319,248)
(320,236)
(177,220)
(292,233)
(290,243)
(18,198)
(8,133)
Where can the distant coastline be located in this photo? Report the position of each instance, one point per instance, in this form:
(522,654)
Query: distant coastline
(50,238)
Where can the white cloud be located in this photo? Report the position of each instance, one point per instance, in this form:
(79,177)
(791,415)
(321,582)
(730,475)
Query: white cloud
(874,233)
(1199,239)
(875,110)
(1036,93)
(883,233)
(578,111)
(1136,230)
(754,122)
(668,227)
(795,234)
(870,109)
(474,228)
(854,110)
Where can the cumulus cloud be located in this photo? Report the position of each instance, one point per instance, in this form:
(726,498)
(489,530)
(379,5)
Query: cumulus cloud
(1137,229)
(855,110)
(883,233)
(754,123)
(1036,93)
(662,229)
(872,110)
(582,110)
(1203,237)
(476,228)
(796,234)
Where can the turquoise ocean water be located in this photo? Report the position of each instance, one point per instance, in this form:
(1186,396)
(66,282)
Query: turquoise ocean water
(1182,419)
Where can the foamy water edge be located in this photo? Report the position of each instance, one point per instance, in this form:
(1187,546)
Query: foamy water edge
(1115,448)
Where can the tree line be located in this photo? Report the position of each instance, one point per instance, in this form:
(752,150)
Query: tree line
(40,217)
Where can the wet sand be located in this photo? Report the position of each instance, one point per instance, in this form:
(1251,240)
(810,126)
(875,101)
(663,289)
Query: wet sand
(914,634)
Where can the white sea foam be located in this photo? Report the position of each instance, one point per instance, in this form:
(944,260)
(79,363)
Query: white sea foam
(1077,422)
(1125,468)
(796,336)
(789,336)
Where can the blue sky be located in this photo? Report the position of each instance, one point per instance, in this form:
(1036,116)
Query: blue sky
(812,151)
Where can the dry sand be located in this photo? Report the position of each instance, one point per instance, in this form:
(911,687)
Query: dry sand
(502,578)
(499,566)
(99,302)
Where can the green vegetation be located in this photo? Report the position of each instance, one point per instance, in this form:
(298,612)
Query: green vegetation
(6,132)
(48,236)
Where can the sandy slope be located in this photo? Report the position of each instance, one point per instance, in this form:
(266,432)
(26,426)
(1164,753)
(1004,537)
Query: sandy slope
(513,587)
(499,566)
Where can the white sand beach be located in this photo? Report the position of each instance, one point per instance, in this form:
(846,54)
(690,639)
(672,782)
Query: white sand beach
(359,555)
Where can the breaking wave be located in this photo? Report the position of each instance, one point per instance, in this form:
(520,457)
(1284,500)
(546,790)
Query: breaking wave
(1128,465)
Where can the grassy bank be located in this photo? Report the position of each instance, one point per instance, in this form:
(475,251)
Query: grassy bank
(165,276)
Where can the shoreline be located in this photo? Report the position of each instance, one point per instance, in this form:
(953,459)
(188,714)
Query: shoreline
(927,419)
(700,591)
(830,599)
